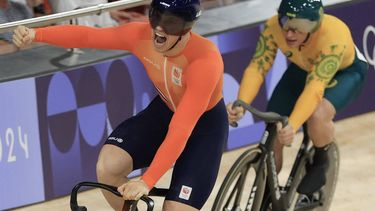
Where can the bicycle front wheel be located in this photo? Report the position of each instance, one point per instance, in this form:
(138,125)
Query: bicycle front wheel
(235,191)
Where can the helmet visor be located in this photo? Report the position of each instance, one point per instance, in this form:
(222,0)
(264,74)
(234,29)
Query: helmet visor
(169,22)
(297,24)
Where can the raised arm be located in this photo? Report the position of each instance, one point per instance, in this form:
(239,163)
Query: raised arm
(71,36)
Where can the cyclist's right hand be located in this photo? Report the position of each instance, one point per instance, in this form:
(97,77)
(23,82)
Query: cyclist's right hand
(234,114)
(285,135)
(23,36)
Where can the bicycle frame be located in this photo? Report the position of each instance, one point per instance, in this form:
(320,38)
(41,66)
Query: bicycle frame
(266,192)
(271,181)
(293,182)
(269,177)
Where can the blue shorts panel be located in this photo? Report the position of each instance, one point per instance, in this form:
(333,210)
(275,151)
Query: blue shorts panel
(199,163)
(197,167)
(287,91)
(348,84)
(345,86)
(142,134)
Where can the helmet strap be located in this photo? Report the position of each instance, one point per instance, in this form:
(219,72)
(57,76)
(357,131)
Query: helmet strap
(179,38)
(174,45)
(306,39)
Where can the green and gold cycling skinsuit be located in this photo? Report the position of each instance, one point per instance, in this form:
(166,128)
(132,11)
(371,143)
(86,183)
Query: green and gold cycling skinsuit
(328,51)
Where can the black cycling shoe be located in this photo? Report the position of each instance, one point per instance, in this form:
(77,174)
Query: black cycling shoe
(315,177)
(313,180)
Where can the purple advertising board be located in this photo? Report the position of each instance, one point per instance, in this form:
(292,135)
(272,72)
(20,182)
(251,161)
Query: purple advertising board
(21,175)
(78,109)
(360,18)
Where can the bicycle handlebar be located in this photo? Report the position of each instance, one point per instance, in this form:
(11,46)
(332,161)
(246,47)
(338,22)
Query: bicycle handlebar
(269,117)
(150,203)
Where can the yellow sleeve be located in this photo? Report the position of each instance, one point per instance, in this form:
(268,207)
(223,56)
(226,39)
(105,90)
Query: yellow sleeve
(259,66)
(323,70)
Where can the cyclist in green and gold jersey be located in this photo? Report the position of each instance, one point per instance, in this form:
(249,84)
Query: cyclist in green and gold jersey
(326,72)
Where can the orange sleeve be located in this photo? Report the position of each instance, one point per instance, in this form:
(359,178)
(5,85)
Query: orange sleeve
(201,79)
(72,36)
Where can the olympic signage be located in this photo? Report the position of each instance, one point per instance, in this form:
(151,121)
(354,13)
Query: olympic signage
(78,109)
(368,46)
(21,175)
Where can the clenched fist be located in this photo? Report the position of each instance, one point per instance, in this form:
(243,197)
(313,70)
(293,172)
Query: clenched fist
(133,190)
(235,114)
(23,36)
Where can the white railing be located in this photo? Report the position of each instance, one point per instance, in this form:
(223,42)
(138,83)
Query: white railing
(63,16)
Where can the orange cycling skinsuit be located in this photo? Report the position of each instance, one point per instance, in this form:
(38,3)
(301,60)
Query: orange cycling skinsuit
(188,118)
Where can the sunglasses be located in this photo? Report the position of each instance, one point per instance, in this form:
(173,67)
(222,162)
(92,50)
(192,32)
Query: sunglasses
(170,23)
(298,25)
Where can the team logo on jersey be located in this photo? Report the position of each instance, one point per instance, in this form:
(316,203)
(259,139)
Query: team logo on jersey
(185,192)
(177,76)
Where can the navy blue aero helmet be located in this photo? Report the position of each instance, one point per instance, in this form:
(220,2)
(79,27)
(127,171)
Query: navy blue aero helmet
(309,13)
(176,17)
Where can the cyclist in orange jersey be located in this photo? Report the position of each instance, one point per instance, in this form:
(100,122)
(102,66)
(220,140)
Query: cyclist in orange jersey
(187,120)
(326,72)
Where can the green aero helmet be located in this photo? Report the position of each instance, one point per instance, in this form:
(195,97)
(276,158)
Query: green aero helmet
(302,15)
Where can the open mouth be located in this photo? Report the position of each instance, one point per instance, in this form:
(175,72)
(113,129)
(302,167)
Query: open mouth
(160,38)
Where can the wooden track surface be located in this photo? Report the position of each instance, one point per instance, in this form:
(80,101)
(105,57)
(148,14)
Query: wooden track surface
(355,189)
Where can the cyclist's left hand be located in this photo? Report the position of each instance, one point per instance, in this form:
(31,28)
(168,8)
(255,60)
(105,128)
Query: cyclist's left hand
(133,190)
(285,135)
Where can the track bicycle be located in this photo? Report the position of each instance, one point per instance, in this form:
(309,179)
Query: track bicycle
(161,192)
(252,183)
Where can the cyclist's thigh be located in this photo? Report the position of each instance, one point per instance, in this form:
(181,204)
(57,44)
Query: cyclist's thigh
(346,84)
(141,135)
(114,161)
(287,90)
(195,171)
